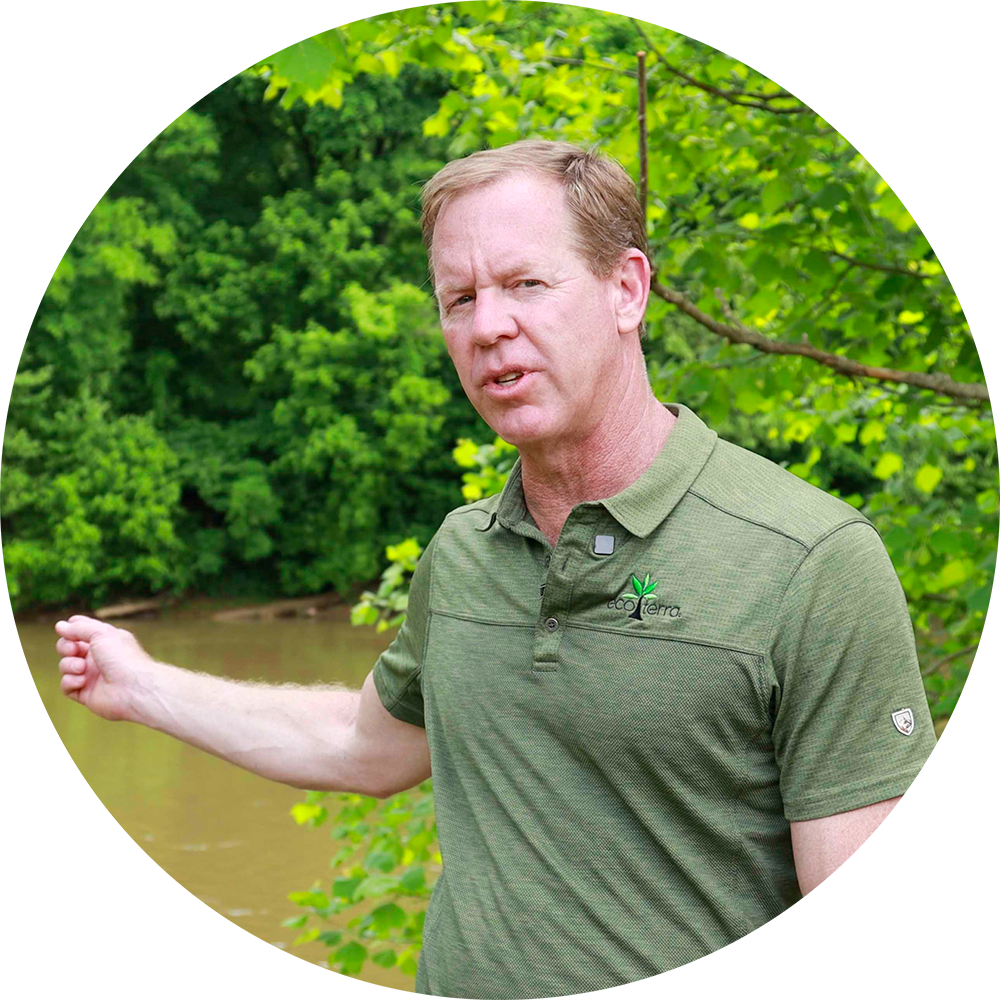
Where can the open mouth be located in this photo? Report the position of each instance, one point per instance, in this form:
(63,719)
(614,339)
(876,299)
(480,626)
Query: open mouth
(509,379)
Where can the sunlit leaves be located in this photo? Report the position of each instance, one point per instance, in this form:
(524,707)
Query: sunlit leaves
(888,465)
(928,477)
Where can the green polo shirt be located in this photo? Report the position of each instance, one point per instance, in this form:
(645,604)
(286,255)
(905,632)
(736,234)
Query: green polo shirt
(621,728)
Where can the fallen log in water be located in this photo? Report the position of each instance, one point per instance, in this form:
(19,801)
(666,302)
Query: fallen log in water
(128,609)
(294,607)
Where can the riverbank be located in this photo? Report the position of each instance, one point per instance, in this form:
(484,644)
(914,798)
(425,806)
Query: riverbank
(329,606)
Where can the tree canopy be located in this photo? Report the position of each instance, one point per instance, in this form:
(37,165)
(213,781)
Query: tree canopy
(235,382)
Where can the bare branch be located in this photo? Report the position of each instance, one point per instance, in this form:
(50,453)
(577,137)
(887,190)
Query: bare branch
(945,660)
(607,67)
(643,144)
(870,265)
(732,96)
(737,333)
(821,306)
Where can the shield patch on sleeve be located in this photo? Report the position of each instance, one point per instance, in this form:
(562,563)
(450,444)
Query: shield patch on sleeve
(903,721)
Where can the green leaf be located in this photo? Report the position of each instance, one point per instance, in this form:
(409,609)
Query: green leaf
(831,196)
(307,62)
(954,572)
(346,888)
(928,477)
(351,958)
(766,269)
(303,812)
(387,959)
(817,264)
(376,885)
(364,31)
(888,465)
(750,401)
(776,194)
(312,898)
(381,861)
(700,260)
(413,880)
(636,585)
(874,430)
(387,917)
(946,543)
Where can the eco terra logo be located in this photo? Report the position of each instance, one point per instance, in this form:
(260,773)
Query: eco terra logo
(642,601)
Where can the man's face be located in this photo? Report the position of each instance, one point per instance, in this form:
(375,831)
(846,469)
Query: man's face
(533,334)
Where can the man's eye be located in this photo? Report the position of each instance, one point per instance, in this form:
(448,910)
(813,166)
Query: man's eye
(529,282)
(461,300)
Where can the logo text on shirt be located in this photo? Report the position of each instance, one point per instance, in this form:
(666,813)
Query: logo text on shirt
(639,602)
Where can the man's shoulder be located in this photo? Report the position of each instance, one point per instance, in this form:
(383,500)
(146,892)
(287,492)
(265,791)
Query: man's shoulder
(755,489)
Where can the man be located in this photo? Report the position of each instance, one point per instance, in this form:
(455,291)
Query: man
(663,686)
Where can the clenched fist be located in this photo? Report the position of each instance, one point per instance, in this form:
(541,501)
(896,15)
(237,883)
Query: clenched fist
(102,667)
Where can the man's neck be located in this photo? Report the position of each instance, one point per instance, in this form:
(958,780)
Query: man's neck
(593,468)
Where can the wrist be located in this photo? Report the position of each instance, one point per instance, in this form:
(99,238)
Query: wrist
(148,694)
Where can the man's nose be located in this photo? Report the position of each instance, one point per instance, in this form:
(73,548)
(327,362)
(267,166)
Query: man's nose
(492,318)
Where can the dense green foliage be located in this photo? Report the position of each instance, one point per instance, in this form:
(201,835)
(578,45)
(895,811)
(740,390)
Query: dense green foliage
(797,306)
(235,382)
(763,224)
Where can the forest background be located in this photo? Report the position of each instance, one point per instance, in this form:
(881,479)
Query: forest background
(234,383)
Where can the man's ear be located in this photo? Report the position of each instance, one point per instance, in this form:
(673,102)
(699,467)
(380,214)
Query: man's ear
(631,281)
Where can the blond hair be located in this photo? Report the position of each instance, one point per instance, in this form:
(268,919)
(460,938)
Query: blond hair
(600,195)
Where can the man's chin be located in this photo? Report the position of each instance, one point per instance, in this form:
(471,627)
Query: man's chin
(521,428)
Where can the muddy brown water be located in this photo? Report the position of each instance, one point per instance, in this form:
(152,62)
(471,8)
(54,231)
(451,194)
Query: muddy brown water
(224,834)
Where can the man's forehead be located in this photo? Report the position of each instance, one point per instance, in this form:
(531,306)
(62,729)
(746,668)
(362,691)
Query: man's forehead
(518,221)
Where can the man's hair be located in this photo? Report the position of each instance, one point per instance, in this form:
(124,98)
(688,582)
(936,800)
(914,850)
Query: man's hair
(600,195)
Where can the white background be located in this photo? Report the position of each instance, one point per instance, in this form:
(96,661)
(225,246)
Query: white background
(58,56)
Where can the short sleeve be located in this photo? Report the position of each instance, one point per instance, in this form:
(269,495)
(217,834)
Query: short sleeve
(852,726)
(397,671)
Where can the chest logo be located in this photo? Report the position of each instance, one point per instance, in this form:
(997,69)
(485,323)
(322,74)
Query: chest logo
(903,721)
(642,601)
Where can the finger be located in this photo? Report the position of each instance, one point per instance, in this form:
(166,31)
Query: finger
(71,683)
(72,665)
(67,647)
(81,628)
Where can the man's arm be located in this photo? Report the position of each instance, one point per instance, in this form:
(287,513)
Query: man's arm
(823,850)
(320,738)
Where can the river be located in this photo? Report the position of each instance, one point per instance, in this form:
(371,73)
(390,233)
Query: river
(224,834)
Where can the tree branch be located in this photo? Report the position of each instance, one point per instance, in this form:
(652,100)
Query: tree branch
(732,96)
(945,660)
(643,146)
(818,308)
(737,333)
(887,268)
(607,67)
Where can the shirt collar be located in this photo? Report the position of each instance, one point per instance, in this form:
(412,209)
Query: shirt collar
(641,506)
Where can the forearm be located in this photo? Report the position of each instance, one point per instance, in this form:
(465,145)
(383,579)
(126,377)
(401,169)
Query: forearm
(296,735)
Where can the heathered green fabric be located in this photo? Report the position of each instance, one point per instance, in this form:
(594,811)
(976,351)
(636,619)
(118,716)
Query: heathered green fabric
(613,793)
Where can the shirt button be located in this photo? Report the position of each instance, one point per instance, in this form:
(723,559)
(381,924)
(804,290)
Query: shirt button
(552,624)
(548,559)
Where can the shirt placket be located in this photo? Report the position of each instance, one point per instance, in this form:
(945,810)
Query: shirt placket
(562,564)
